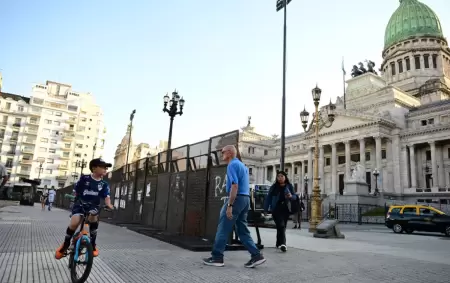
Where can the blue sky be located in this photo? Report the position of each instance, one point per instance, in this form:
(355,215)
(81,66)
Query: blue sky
(224,57)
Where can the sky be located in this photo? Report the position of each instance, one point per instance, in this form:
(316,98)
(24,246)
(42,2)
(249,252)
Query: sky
(223,57)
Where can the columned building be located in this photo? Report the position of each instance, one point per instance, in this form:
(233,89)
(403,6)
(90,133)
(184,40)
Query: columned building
(397,123)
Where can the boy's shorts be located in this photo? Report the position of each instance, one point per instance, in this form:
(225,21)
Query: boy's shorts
(78,209)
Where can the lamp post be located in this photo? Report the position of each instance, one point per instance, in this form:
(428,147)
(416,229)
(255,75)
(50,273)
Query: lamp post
(172,111)
(376,173)
(41,162)
(282,5)
(316,202)
(306,179)
(93,150)
(81,164)
(129,138)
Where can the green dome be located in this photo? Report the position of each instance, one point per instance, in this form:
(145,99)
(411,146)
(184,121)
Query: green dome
(411,19)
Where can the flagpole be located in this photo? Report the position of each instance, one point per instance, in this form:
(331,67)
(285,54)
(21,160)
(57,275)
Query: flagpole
(283,100)
(343,80)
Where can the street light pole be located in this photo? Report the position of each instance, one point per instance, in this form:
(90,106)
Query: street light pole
(172,111)
(94,149)
(40,169)
(376,173)
(129,138)
(282,4)
(81,164)
(316,201)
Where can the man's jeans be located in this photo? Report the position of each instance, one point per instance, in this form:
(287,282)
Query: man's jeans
(240,210)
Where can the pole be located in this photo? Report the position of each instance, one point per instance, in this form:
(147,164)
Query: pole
(93,152)
(283,100)
(316,211)
(129,143)
(343,83)
(169,146)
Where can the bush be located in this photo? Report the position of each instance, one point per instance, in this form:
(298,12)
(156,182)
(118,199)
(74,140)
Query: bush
(379,211)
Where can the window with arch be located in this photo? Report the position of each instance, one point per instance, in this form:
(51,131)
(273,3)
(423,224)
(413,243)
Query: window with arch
(400,66)
(417,62)
(408,63)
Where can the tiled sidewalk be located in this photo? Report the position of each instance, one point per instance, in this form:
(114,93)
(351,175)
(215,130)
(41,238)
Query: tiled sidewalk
(29,237)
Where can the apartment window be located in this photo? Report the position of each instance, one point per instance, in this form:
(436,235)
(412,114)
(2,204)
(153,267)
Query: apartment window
(423,122)
(341,159)
(66,154)
(327,161)
(42,149)
(48,171)
(52,150)
(266,152)
(306,169)
(428,155)
(38,101)
(46,131)
(61,184)
(67,145)
(14,135)
(12,148)
(17,121)
(434,58)
(81,129)
(20,108)
(426,61)
(400,66)
(49,122)
(367,156)
(8,105)
(50,160)
(431,121)
(417,62)
(9,163)
(45,140)
(53,141)
(408,63)
(50,112)
(2,133)
(57,123)
(72,108)
(58,114)
(393,68)
(79,145)
(33,121)
(383,154)
(5,119)
(71,127)
(354,157)
(83,119)
(55,133)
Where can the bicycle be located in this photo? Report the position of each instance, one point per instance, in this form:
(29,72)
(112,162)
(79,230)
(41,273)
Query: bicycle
(81,246)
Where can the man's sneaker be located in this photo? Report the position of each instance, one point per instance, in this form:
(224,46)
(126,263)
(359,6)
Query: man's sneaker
(95,251)
(283,248)
(60,252)
(213,262)
(255,261)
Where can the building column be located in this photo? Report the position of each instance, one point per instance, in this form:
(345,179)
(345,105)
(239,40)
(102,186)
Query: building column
(405,168)
(362,156)
(321,171)
(389,183)
(412,164)
(333,168)
(378,161)
(303,175)
(293,173)
(310,167)
(274,173)
(396,168)
(434,166)
(347,160)
(441,171)
(266,174)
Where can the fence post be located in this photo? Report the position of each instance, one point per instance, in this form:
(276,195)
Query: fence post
(359,215)
(336,211)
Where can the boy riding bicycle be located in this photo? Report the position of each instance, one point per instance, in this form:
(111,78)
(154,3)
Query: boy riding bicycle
(90,189)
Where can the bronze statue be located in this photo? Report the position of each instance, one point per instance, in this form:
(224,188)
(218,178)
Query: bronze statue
(358,71)
(361,68)
(371,67)
(249,120)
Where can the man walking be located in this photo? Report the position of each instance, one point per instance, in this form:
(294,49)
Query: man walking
(4,179)
(234,212)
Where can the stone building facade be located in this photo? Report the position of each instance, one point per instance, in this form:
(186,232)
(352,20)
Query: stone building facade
(397,122)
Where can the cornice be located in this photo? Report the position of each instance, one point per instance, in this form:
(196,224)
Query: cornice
(402,52)
(428,110)
(421,132)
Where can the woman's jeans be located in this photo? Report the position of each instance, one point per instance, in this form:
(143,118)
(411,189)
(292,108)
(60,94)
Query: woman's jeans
(241,206)
(281,216)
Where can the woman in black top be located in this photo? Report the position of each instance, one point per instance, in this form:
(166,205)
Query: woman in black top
(277,201)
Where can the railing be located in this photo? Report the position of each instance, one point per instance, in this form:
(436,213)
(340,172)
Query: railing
(62,166)
(62,177)
(28,150)
(29,141)
(26,161)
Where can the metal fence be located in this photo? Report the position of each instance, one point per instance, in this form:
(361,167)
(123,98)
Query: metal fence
(184,200)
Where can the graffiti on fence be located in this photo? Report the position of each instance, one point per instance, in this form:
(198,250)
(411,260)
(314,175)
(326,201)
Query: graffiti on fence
(130,191)
(177,193)
(116,196)
(148,188)
(220,187)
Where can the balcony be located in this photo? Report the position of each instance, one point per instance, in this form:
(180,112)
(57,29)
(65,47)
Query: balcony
(35,113)
(71,120)
(8,165)
(62,177)
(29,141)
(28,150)
(65,156)
(24,172)
(69,131)
(26,161)
(68,137)
(33,122)
(13,139)
(62,167)
(2,136)
(16,125)
(66,149)
(31,131)
(11,152)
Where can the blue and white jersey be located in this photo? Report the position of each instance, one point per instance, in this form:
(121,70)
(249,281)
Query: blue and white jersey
(90,190)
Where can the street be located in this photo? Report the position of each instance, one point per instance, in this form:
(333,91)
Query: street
(368,254)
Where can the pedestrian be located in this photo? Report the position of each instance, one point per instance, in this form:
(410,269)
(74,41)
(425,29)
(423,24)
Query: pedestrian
(42,199)
(4,176)
(297,218)
(278,202)
(51,197)
(234,212)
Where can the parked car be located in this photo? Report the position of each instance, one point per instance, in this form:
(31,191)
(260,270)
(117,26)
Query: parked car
(410,218)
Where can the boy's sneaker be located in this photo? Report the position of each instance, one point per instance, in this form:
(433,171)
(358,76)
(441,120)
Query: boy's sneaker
(283,248)
(95,251)
(255,261)
(213,262)
(60,252)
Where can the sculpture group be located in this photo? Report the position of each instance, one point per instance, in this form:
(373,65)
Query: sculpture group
(358,71)
(358,173)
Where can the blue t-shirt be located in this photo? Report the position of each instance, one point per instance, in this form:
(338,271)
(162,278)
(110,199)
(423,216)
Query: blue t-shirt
(237,173)
(90,190)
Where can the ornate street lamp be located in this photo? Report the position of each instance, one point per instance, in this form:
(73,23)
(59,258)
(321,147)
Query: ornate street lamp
(81,164)
(306,179)
(173,111)
(318,122)
(376,173)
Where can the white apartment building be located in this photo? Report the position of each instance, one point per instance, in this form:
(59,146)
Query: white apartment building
(64,128)
(13,115)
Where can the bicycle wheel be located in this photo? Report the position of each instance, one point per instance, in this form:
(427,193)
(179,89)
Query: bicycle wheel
(85,259)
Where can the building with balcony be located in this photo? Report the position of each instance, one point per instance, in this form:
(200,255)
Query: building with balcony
(13,115)
(397,123)
(66,126)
